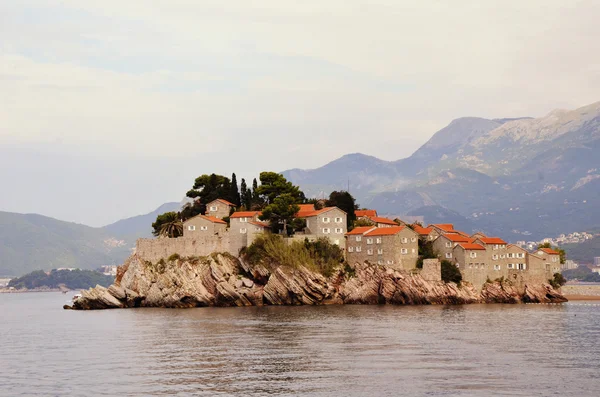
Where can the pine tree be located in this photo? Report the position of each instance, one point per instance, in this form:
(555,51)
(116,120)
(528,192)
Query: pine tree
(243,195)
(235,193)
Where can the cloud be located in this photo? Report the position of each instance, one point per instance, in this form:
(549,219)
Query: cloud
(298,83)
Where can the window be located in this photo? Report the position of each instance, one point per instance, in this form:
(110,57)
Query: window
(502,256)
(258,229)
(473,254)
(555,259)
(495,257)
(358,249)
(350,249)
(495,246)
(369,252)
(413,239)
(191,227)
(448,255)
(470,266)
(521,266)
(326,230)
(338,220)
(404,240)
(403,251)
(339,230)
(380,251)
(213,208)
(496,267)
(243,230)
(448,244)
(336,241)
(511,266)
(203,227)
(510,255)
(369,241)
(380,262)
(390,262)
(244,220)
(326,220)
(413,251)
(358,238)
(520,255)
(378,240)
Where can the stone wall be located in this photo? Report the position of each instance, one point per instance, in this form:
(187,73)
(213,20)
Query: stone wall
(432,270)
(155,249)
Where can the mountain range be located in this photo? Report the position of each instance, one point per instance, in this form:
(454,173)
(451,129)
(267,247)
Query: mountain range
(518,178)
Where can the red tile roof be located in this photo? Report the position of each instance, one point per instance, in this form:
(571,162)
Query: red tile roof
(385,221)
(212,219)
(423,231)
(244,214)
(385,231)
(224,202)
(457,238)
(447,227)
(492,240)
(459,232)
(304,210)
(471,246)
(321,211)
(359,213)
(550,251)
(359,230)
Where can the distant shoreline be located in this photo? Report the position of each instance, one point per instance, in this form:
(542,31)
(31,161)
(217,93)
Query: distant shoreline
(22,291)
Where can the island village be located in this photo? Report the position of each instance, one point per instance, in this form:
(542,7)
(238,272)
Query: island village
(377,240)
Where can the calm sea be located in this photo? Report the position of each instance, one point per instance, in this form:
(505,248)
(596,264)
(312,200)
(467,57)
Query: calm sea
(473,350)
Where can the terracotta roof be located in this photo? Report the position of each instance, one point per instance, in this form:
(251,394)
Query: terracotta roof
(471,246)
(365,213)
(423,231)
(457,238)
(448,227)
(492,240)
(260,224)
(385,221)
(304,210)
(321,211)
(224,202)
(459,232)
(244,214)
(550,251)
(359,230)
(385,231)
(209,218)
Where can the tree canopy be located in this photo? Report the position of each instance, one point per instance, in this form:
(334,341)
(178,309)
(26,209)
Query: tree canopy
(280,211)
(273,185)
(168,225)
(211,187)
(344,201)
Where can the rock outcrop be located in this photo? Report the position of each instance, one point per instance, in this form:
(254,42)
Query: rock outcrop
(222,280)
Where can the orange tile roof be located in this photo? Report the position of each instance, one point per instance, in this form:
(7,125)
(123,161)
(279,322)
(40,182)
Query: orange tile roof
(457,238)
(212,219)
(423,231)
(244,214)
(385,221)
(365,213)
(359,230)
(304,210)
(458,232)
(448,227)
(385,231)
(550,251)
(319,212)
(471,246)
(224,202)
(492,240)
(258,224)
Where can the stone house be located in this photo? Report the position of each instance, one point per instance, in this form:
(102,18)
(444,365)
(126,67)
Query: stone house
(443,245)
(551,259)
(423,232)
(477,235)
(442,228)
(329,222)
(396,247)
(379,221)
(202,225)
(496,248)
(364,214)
(470,259)
(219,208)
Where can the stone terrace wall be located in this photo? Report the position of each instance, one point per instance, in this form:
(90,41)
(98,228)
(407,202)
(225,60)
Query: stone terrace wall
(155,249)
(432,270)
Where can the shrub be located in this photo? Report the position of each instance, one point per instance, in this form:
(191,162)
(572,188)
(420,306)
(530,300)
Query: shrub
(174,257)
(450,273)
(320,256)
(557,281)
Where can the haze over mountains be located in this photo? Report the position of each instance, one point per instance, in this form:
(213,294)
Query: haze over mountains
(518,178)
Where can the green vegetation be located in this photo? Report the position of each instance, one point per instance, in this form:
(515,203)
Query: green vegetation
(174,257)
(281,212)
(425,252)
(582,273)
(320,256)
(344,201)
(583,252)
(450,273)
(557,281)
(72,279)
(168,224)
(563,255)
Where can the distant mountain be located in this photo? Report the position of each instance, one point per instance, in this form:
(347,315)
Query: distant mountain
(520,178)
(31,242)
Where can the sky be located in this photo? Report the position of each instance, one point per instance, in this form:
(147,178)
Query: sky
(110,108)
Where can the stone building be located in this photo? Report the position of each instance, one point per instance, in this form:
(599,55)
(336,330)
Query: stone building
(201,225)
(443,245)
(551,258)
(396,247)
(379,221)
(423,232)
(219,208)
(364,214)
(329,222)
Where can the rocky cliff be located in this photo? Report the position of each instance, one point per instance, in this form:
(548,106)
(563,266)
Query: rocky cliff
(221,280)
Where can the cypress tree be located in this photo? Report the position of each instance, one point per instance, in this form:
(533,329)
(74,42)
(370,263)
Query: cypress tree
(243,195)
(235,193)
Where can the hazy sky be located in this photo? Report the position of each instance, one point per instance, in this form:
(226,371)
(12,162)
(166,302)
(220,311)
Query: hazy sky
(110,108)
